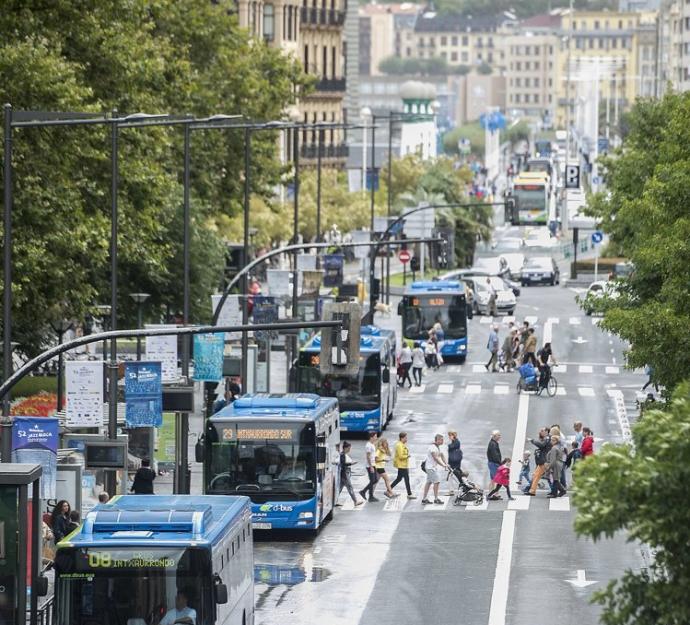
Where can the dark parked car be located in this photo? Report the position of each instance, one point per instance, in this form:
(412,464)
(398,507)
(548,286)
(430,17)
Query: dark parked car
(540,270)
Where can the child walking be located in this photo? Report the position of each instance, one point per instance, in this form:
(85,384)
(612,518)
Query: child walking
(502,478)
(525,469)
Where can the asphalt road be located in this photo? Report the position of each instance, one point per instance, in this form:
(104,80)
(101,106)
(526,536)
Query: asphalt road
(398,562)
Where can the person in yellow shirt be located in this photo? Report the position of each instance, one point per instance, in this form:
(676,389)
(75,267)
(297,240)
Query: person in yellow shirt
(401,461)
(383,455)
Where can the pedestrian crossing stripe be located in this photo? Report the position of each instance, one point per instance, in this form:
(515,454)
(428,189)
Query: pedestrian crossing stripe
(574,321)
(553,320)
(612,370)
(486,320)
(501,389)
(586,391)
(418,389)
(533,319)
(478,368)
(498,389)
(560,391)
(473,389)
(585,368)
(520,502)
(559,504)
(560,368)
(444,388)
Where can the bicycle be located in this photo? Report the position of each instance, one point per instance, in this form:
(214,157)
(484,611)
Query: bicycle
(551,387)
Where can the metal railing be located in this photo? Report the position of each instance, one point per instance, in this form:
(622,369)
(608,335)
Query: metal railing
(311,151)
(322,17)
(331,85)
(44,615)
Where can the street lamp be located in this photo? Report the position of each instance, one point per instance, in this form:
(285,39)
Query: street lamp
(365,114)
(60,329)
(139,299)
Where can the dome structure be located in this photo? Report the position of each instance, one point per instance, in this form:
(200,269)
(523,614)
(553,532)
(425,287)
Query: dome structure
(417,97)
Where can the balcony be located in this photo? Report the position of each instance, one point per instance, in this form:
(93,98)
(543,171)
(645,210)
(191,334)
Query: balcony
(310,151)
(312,16)
(331,85)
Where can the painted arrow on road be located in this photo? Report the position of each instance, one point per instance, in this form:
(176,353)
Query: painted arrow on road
(581,581)
(579,340)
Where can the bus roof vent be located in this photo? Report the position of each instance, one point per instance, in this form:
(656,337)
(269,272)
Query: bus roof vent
(370,330)
(181,519)
(297,401)
(436,285)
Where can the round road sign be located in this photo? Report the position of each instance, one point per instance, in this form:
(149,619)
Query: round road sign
(404,256)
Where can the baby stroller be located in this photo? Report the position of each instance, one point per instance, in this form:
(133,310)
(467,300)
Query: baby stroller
(529,381)
(465,490)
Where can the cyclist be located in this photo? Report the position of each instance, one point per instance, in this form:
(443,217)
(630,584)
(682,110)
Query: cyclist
(543,356)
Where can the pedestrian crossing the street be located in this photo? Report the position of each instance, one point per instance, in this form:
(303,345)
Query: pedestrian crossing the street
(498,388)
(534,320)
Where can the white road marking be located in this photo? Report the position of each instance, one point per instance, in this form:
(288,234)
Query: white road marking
(560,391)
(596,321)
(586,391)
(559,504)
(548,332)
(478,368)
(350,506)
(445,388)
(521,502)
(482,507)
(553,320)
(473,389)
(435,507)
(486,320)
(585,368)
(396,504)
(581,580)
(453,369)
(531,319)
(613,360)
(501,389)
(612,370)
(560,368)
(574,321)
(418,389)
(508,318)
(499,595)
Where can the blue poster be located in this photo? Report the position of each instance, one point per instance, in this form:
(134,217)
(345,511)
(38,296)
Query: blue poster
(208,357)
(143,394)
(35,441)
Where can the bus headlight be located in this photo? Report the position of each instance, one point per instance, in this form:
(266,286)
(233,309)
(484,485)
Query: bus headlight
(306,515)
(462,348)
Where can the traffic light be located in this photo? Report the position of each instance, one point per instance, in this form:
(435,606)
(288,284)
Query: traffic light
(339,352)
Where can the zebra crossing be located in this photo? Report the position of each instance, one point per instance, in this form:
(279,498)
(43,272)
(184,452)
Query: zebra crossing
(534,320)
(498,388)
(401,504)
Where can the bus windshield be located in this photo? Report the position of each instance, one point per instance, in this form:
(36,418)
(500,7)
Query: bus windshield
(421,312)
(530,199)
(133,586)
(262,460)
(354,392)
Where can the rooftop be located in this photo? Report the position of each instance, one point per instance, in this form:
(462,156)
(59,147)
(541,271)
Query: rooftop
(462,24)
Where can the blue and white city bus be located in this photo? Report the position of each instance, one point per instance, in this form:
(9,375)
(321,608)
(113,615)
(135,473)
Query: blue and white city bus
(278,450)
(371,330)
(443,301)
(137,558)
(366,398)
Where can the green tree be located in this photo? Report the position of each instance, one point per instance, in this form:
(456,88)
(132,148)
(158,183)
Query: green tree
(484,69)
(642,494)
(178,56)
(645,212)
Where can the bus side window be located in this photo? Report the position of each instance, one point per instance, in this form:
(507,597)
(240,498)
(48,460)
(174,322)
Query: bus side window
(233,548)
(222,561)
(238,542)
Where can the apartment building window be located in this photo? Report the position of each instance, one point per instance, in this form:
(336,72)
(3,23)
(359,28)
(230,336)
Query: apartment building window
(480,43)
(490,43)
(465,57)
(535,97)
(583,25)
(536,64)
(596,24)
(528,50)
(444,56)
(518,82)
(606,24)
(334,62)
(444,41)
(454,57)
(479,56)
(517,98)
(614,42)
(620,24)
(624,43)
(537,50)
(518,65)
(408,52)
(511,82)
(269,22)
(550,64)
(601,44)
(550,98)
(464,40)
(550,82)
(421,42)
(527,82)
(574,25)
(550,49)
(536,82)
(578,43)
(306,59)
(432,41)
(591,44)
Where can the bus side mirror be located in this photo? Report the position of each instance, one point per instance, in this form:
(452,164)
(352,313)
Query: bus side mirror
(221,591)
(320,455)
(41,586)
(386,376)
(199,449)
(400,309)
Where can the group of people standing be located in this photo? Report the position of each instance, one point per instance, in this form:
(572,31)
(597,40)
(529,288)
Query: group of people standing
(519,346)
(423,354)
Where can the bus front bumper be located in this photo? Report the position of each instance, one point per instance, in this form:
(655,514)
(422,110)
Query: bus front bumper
(360,420)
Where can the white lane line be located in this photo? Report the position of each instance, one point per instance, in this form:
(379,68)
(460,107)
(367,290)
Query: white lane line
(445,388)
(560,504)
(585,369)
(418,389)
(612,370)
(560,368)
(478,368)
(520,431)
(501,389)
(586,391)
(521,502)
(574,321)
(499,595)
(548,332)
(473,389)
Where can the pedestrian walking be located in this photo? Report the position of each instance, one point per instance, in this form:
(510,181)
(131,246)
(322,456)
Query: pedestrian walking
(649,372)
(579,436)
(405,364)
(439,332)
(345,464)
(492,297)
(492,346)
(430,354)
(401,461)
(574,454)
(502,478)
(530,348)
(508,363)
(454,451)
(587,447)
(525,469)
(524,332)
(383,455)
(370,455)
(434,463)
(417,363)
(543,445)
(59,520)
(493,453)
(143,479)
(554,467)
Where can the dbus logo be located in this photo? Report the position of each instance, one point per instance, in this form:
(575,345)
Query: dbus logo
(275,507)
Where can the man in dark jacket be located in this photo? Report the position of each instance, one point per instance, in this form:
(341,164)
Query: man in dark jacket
(493,453)
(543,445)
(143,479)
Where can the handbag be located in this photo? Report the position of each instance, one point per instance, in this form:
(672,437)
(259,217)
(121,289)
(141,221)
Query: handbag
(423,466)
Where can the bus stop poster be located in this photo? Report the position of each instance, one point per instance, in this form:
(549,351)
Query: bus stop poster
(35,441)
(208,357)
(143,394)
